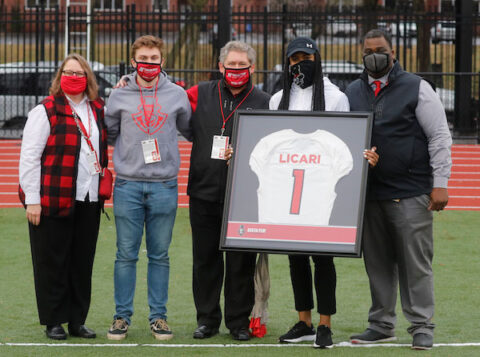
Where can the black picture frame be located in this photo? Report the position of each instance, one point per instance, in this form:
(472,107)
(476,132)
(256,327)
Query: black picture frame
(272,206)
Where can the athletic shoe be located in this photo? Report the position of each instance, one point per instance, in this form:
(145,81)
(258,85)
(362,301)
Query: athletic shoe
(298,333)
(118,330)
(323,338)
(160,330)
(422,341)
(371,336)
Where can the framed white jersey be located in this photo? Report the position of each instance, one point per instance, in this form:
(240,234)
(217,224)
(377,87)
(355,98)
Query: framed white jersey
(297,175)
(296,182)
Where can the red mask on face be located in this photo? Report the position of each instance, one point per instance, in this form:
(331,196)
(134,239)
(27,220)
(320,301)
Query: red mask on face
(73,85)
(148,71)
(237,77)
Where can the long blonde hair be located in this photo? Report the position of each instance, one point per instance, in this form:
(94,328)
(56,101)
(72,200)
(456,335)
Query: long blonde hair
(92,86)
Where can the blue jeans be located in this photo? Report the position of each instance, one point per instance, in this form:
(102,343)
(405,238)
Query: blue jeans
(137,204)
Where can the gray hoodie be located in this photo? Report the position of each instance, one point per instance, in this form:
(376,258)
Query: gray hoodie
(127,128)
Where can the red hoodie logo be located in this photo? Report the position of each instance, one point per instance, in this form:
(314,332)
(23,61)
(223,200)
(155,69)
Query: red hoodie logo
(150,118)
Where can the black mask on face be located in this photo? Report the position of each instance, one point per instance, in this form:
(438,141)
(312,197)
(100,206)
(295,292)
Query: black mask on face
(376,64)
(303,73)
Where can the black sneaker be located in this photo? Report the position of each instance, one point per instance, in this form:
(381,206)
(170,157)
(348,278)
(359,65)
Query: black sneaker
(323,338)
(422,341)
(371,336)
(240,334)
(298,333)
(118,330)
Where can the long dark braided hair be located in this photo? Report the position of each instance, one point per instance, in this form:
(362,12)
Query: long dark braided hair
(318,98)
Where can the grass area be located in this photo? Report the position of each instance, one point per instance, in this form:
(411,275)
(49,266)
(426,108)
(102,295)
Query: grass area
(457,288)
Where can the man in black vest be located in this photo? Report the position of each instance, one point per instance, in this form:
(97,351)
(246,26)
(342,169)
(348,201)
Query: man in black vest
(412,138)
(213,106)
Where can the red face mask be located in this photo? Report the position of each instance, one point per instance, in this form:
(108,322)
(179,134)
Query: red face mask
(237,77)
(148,71)
(73,85)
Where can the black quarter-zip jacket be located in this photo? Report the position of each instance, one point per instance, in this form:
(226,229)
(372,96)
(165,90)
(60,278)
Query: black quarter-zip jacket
(207,176)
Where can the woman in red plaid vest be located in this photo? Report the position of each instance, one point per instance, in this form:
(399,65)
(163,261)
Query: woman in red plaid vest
(64,149)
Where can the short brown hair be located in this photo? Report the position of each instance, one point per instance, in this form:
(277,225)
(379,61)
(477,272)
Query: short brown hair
(92,86)
(147,41)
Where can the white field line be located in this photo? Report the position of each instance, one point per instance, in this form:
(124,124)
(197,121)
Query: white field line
(268,345)
(464,196)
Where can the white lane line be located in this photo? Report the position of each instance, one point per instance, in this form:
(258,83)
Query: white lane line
(464,187)
(341,344)
(461,180)
(463,207)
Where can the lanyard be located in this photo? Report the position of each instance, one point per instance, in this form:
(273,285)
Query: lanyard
(221,107)
(81,128)
(148,117)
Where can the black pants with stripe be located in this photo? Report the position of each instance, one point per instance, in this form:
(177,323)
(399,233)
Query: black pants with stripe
(325,283)
(63,249)
(209,271)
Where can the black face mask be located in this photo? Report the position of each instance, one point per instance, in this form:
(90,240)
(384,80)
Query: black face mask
(303,73)
(376,64)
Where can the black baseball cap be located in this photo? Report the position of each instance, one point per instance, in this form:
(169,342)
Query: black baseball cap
(302,44)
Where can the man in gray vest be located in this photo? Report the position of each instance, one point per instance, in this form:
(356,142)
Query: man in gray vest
(412,138)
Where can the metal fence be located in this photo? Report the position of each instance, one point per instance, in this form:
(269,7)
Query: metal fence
(32,44)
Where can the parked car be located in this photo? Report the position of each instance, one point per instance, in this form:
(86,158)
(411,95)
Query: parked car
(443,31)
(24,84)
(341,27)
(300,29)
(404,29)
(341,73)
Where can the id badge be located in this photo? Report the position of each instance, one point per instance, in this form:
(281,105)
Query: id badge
(220,144)
(93,164)
(151,153)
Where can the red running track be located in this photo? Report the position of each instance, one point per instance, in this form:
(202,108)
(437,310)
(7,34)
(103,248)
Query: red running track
(464,184)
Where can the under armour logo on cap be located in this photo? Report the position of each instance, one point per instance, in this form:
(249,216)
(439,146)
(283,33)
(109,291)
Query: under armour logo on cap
(302,44)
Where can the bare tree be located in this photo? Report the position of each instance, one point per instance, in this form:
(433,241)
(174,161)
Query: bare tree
(423,37)
(188,37)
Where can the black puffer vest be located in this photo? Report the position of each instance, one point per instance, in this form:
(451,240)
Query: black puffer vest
(404,168)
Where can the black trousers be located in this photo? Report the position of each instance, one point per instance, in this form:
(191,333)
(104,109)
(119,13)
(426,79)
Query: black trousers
(63,250)
(325,283)
(209,270)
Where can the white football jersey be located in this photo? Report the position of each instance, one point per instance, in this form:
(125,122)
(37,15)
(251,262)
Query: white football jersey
(297,174)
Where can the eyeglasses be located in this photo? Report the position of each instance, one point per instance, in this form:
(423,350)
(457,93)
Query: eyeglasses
(76,74)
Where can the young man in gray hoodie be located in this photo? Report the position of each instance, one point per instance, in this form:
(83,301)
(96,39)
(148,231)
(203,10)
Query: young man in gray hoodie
(142,119)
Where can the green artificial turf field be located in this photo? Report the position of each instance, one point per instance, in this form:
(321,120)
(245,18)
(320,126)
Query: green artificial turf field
(457,289)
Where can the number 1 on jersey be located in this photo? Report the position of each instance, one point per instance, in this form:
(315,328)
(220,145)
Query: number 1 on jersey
(297,191)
